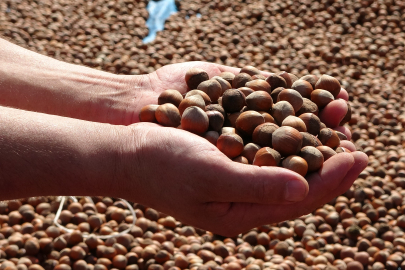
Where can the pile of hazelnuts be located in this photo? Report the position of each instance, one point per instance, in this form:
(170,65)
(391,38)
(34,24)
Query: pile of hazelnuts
(256,120)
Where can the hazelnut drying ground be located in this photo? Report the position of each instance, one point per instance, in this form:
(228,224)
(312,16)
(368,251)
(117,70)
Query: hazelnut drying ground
(361,43)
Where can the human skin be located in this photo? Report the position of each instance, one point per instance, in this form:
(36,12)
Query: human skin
(73,130)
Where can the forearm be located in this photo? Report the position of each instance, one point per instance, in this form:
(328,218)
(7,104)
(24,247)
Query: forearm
(44,154)
(35,82)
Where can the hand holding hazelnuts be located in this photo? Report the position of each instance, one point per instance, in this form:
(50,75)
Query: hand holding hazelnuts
(256,120)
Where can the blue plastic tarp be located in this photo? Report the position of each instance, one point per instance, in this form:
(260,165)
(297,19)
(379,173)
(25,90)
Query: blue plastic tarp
(159,11)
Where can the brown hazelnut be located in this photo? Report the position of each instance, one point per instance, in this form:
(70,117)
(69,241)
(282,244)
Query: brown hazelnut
(259,85)
(225,85)
(274,94)
(212,88)
(341,149)
(348,115)
(246,90)
(287,141)
(249,151)
(259,101)
(341,136)
(267,117)
(329,138)
(248,121)
(240,80)
(321,97)
(195,76)
(296,164)
(267,156)
(276,81)
(313,157)
(232,119)
(170,96)
(233,100)
(147,113)
(303,87)
(225,130)
(259,77)
(168,115)
(281,110)
(195,92)
(212,137)
(295,122)
(216,107)
(293,78)
(227,76)
(328,83)
(195,100)
(230,144)
(310,140)
(308,107)
(326,151)
(286,76)
(312,122)
(216,120)
(195,120)
(262,134)
(312,79)
(241,159)
(292,97)
(250,70)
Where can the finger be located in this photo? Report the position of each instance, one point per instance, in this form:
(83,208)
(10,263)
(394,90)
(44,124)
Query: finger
(343,94)
(344,130)
(253,184)
(348,144)
(333,113)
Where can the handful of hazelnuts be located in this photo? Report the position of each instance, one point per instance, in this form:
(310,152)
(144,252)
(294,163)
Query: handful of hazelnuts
(256,120)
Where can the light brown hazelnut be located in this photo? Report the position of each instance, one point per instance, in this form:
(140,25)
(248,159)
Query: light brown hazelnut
(328,83)
(250,70)
(326,151)
(281,110)
(195,100)
(274,94)
(312,79)
(230,144)
(267,156)
(303,87)
(195,92)
(308,107)
(286,76)
(216,107)
(295,122)
(296,164)
(259,77)
(259,85)
(147,113)
(168,115)
(292,97)
(225,85)
(227,76)
(246,90)
(248,121)
(212,88)
(329,138)
(170,96)
(267,117)
(195,76)
(241,159)
(321,97)
(249,151)
(310,140)
(195,120)
(287,141)
(259,101)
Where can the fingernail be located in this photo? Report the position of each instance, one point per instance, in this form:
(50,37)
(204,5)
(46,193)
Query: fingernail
(296,191)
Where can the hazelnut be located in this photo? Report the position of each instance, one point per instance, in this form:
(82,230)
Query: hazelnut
(312,79)
(249,151)
(326,151)
(341,136)
(225,85)
(225,130)
(295,122)
(293,78)
(281,110)
(227,76)
(195,76)
(259,85)
(195,100)
(216,120)
(313,157)
(292,97)
(246,90)
(250,70)
(312,122)
(212,88)
(216,107)
(168,115)
(341,149)
(276,81)
(286,77)
(328,83)
(195,120)
(233,100)
(248,121)
(308,107)
(310,140)
(259,101)
(303,87)
(240,80)
(262,134)
(296,164)
(232,119)
(329,138)
(274,94)
(147,113)
(259,77)
(287,141)
(230,144)
(267,157)
(195,92)
(170,96)
(267,117)
(321,97)
(241,159)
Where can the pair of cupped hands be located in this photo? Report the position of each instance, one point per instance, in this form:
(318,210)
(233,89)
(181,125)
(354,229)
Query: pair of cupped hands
(189,178)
